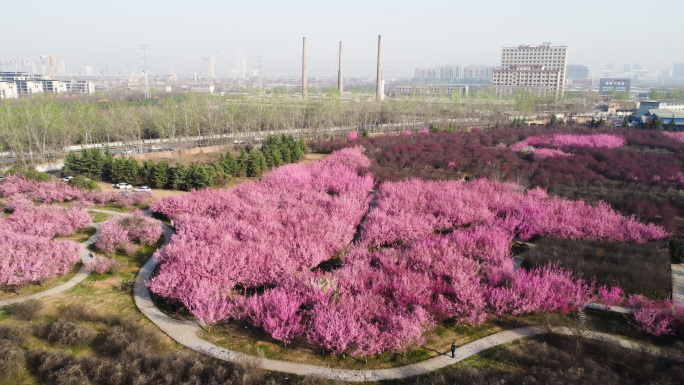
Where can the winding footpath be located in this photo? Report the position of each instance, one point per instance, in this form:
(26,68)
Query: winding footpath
(185,333)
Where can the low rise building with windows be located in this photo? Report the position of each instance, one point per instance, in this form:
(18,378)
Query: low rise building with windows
(608,86)
(437,89)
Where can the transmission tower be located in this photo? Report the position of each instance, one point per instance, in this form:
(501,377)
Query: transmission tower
(259,60)
(144,48)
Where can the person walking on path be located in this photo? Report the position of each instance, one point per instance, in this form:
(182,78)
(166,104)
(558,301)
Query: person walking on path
(453,350)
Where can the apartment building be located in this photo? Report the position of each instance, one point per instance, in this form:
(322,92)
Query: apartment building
(8,90)
(540,69)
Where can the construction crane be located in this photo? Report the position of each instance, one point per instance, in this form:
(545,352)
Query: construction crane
(52,62)
(52,58)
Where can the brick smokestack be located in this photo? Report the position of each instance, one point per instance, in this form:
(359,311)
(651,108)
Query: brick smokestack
(340,86)
(304,68)
(378,85)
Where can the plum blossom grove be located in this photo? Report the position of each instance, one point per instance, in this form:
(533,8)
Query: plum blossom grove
(57,191)
(122,234)
(427,251)
(29,252)
(540,145)
(678,136)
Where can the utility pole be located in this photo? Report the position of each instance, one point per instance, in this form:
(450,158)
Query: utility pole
(259,60)
(304,68)
(144,48)
(107,72)
(340,87)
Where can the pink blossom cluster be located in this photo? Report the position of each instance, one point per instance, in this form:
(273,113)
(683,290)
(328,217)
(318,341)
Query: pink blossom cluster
(30,258)
(28,253)
(46,192)
(261,233)
(541,152)
(678,177)
(43,220)
(657,318)
(424,131)
(101,265)
(416,208)
(57,191)
(406,132)
(427,251)
(678,136)
(571,140)
(122,234)
(352,136)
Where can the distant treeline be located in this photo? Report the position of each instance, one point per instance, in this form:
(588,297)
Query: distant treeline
(98,165)
(44,125)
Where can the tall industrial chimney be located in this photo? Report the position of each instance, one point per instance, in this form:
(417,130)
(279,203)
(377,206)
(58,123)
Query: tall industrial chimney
(340,87)
(378,85)
(304,69)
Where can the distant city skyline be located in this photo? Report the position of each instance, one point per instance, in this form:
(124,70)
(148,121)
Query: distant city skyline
(426,34)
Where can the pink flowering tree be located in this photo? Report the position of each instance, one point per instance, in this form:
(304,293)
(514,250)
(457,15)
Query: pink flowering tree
(123,233)
(658,318)
(542,146)
(425,252)
(101,265)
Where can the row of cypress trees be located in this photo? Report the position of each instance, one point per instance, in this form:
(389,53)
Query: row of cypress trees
(251,162)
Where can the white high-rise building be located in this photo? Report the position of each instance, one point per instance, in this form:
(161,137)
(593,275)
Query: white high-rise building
(540,69)
(210,67)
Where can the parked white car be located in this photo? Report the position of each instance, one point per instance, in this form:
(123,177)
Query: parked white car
(122,186)
(155,148)
(143,188)
(67,179)
(127,152)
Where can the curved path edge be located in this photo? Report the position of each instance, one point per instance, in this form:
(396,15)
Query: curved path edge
(80,276)
(185,333)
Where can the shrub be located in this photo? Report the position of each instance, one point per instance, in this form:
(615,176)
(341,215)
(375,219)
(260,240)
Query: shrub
(128,336)
(30,174)
(11,358)
(676,246)
(27,310)
(67,333)
(83,183)
(636,268)
(56,367)
(15,334)
(78,312)
(553,359)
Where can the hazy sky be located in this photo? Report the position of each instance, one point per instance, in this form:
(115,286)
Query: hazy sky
(421,33)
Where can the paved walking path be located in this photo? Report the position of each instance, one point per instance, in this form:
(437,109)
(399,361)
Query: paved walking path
(185,333)
(76,279)
(678,283)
